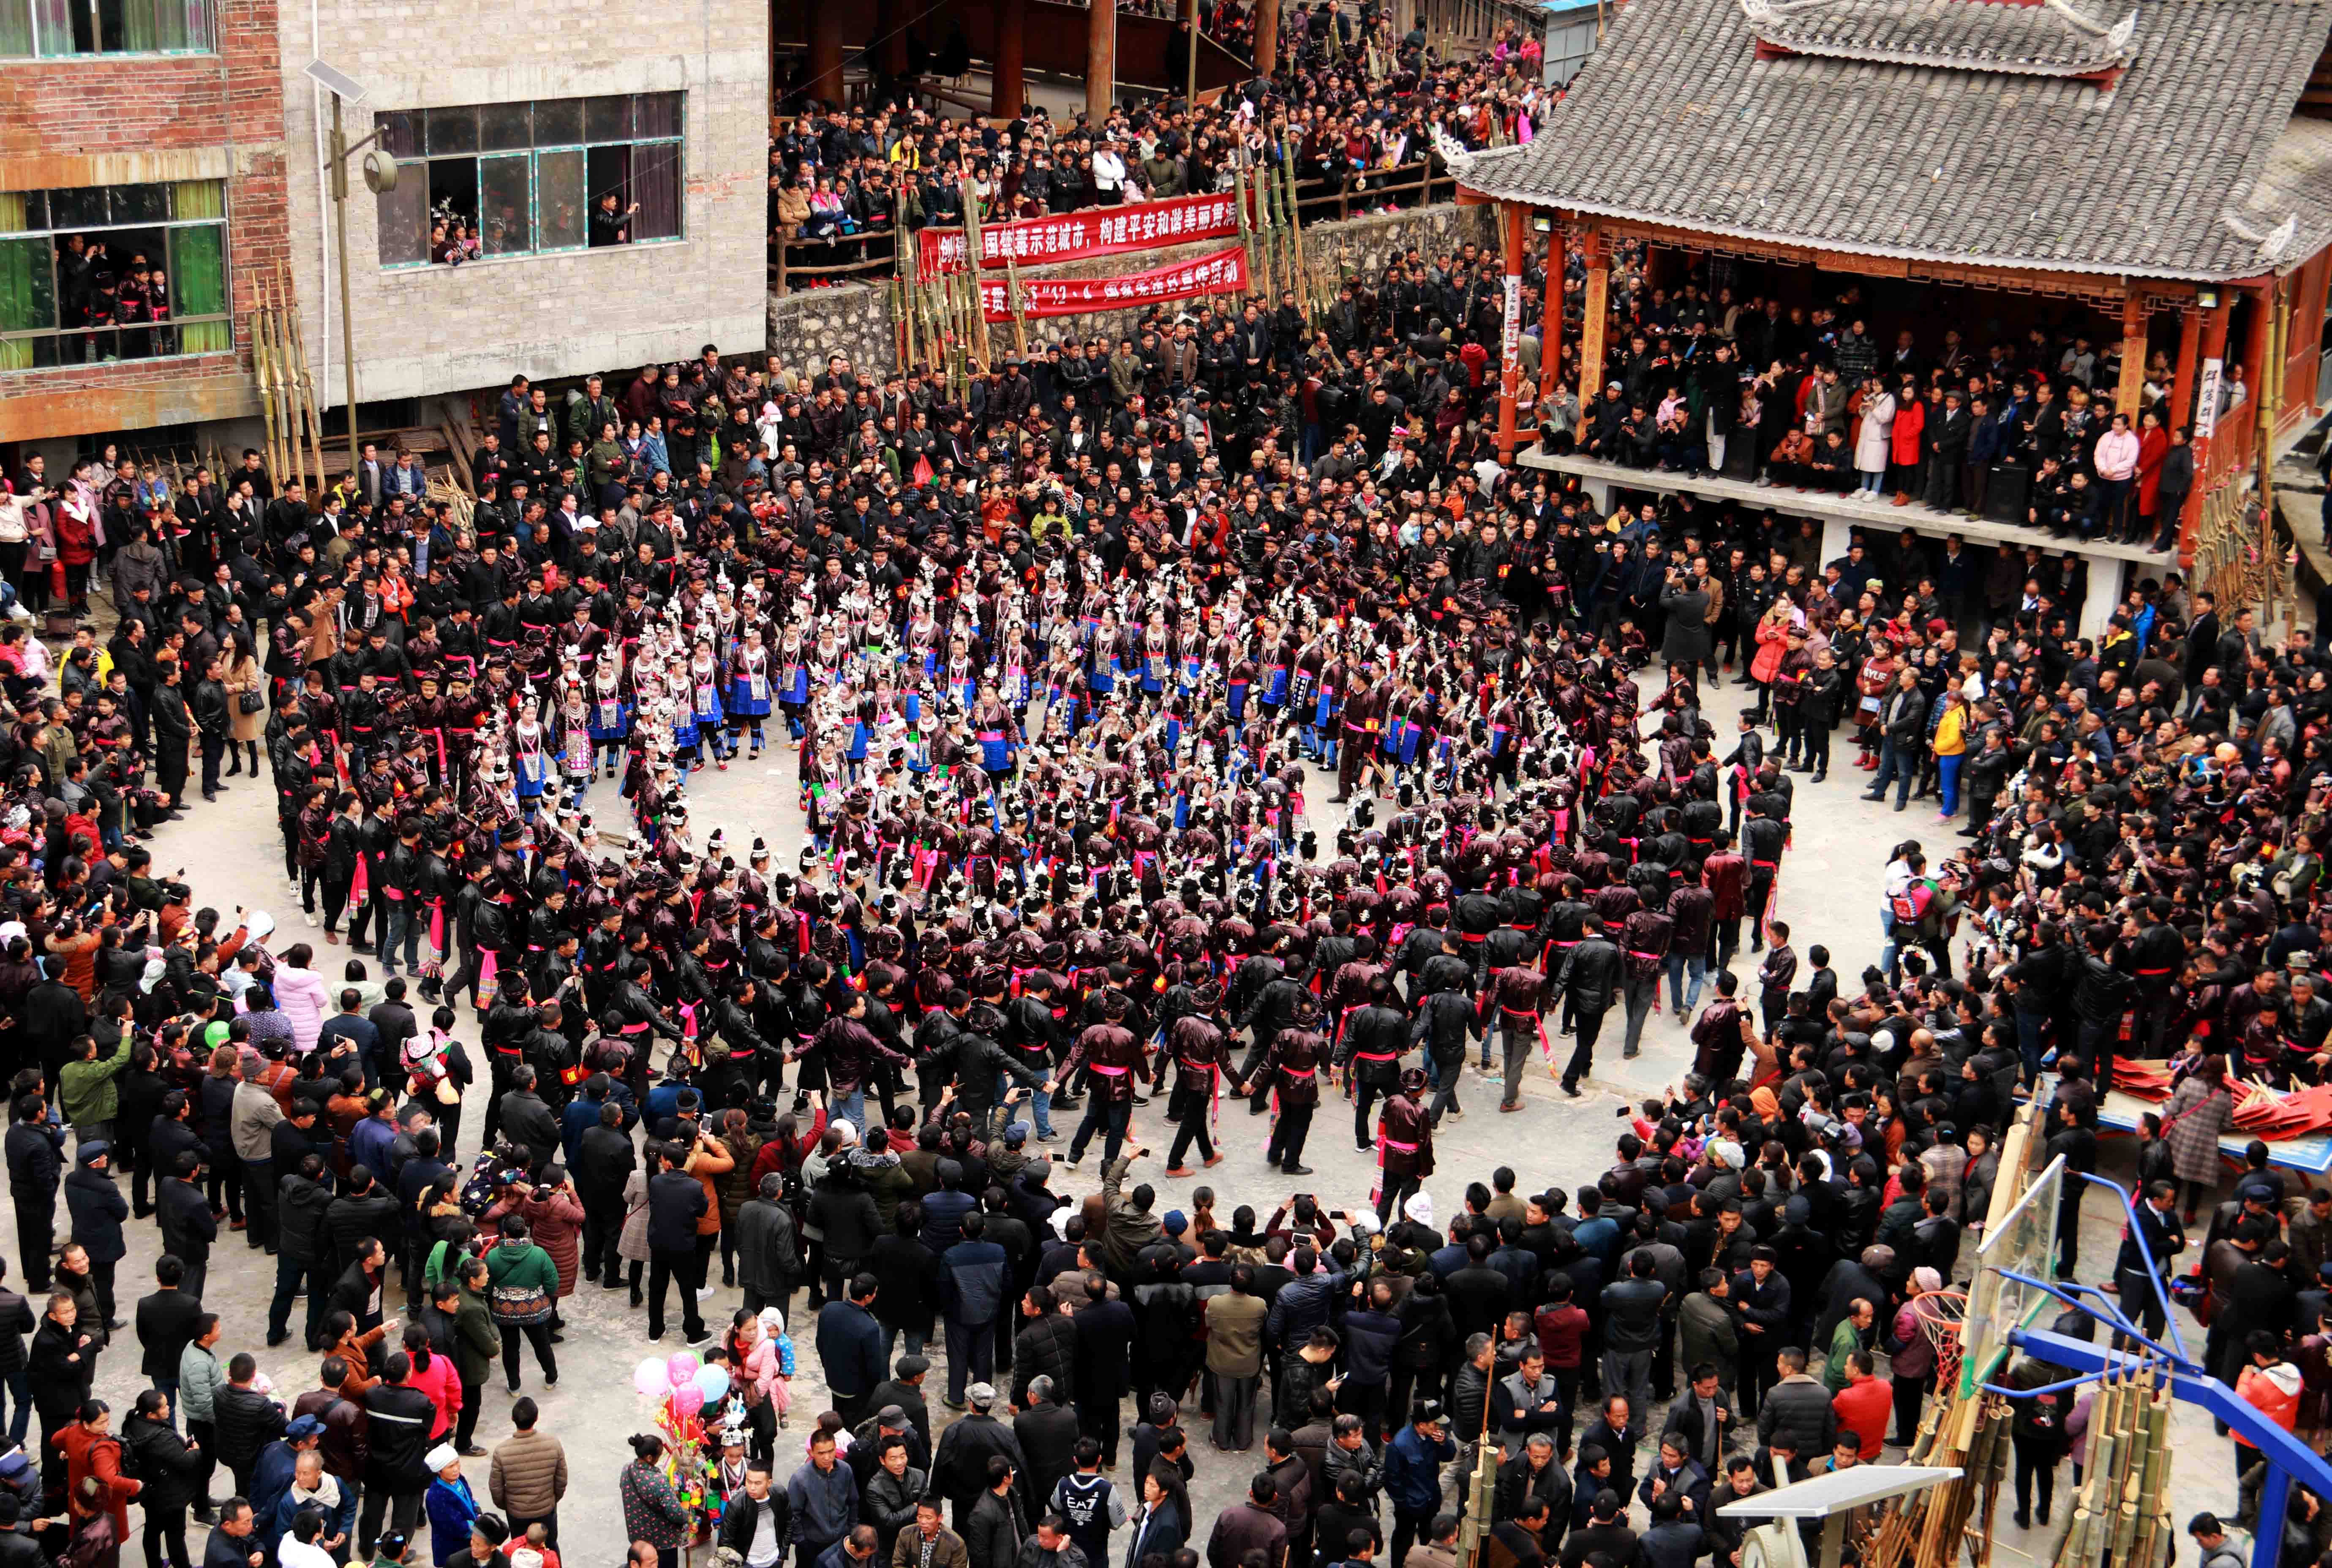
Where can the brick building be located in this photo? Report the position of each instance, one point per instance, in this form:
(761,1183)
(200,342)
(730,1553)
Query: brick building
(521,117)
(155,131)
(184,133)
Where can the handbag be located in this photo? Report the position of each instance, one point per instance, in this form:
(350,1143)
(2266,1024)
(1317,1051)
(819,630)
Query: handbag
(249,702)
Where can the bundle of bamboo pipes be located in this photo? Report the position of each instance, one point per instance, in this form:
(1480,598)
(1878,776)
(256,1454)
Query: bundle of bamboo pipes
(287,393)
(2119,1515)
(1271,232)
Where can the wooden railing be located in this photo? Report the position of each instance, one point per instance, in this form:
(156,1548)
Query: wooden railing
(840,258)
(869,257)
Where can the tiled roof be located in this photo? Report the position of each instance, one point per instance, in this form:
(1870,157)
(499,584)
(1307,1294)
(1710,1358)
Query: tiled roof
(2055,38)
(1676,122)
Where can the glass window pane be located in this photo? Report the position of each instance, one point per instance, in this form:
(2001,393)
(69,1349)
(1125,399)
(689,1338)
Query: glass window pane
(559,200)
(404,228)
(15,36)
(36,209)
(452,130)
(505,205)
(198,271)
(400,131)
(558,121)
(659,114)
(28,294)
(655,187)
(81,206)
(199,198)
(607,119)
(139,204)
(504,125)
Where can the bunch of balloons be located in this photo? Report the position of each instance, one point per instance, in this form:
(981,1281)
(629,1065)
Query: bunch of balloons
(682,1384)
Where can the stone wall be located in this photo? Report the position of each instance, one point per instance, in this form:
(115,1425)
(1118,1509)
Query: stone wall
(855,318)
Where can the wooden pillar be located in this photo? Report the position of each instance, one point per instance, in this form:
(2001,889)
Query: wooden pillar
(1513,225)
(1101,60)
(2209,368)
(893,20)
(1598,306)
(1266,36)
(1550,339)
(826,52)
(2132,384)
(2256,344)
(2181,407)
(1009,85)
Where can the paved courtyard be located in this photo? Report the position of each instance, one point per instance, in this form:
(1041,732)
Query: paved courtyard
(1829,894)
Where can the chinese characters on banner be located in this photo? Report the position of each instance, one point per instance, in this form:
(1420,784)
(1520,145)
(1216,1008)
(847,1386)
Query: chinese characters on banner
(1095,231)
(1224,272)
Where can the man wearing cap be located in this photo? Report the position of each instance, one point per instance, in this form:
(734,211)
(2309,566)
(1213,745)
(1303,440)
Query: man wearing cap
(276,1468)
(98,1208)
(904,1389)
(960,1469)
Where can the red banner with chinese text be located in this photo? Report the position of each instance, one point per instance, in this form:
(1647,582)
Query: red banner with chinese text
(1224,272)
(1094,232)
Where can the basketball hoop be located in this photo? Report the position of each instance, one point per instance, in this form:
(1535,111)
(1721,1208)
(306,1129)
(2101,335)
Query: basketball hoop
(1940,1314)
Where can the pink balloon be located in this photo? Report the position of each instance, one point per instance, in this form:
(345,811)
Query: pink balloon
(681,1368)
(651,1378)
(687,1399)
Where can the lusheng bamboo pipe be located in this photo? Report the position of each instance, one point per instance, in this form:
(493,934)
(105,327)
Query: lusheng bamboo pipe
(1245,230)
(263,373)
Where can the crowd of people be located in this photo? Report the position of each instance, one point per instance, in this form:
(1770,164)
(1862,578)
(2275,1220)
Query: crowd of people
(1055,662)
(1354,101)
(1746,388)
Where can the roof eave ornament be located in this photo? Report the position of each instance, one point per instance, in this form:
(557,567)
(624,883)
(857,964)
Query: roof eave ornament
(2272,246)
(1453,153)
(2124,33)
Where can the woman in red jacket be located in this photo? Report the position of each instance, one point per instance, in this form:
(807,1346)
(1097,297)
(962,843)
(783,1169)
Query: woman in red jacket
(76,526)
(1910,423)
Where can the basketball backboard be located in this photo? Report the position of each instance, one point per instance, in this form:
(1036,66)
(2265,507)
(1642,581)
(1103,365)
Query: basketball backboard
(2023,1239)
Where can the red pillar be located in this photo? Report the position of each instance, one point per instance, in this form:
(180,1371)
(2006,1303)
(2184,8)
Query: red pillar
(1513,225)
(2213,348)
(826,52)
(1011,55)
(1101,59)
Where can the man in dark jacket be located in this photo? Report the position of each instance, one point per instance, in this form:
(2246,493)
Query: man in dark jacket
(526,1120)
(1799,1405)
(765,1245)
(1253,1526)
(98,1209)
(994,1523)
(850,1347)
(35,1166)
(188,1226)
(1104,1363)
(603,1163)
(741,1517)
(164,1322)
(397,1473)
(1048,1433)
(246,1419)
(676,1201)
(1588,981)
(975,1282)
(1046,1346)
(962,1468)
(302,1238)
